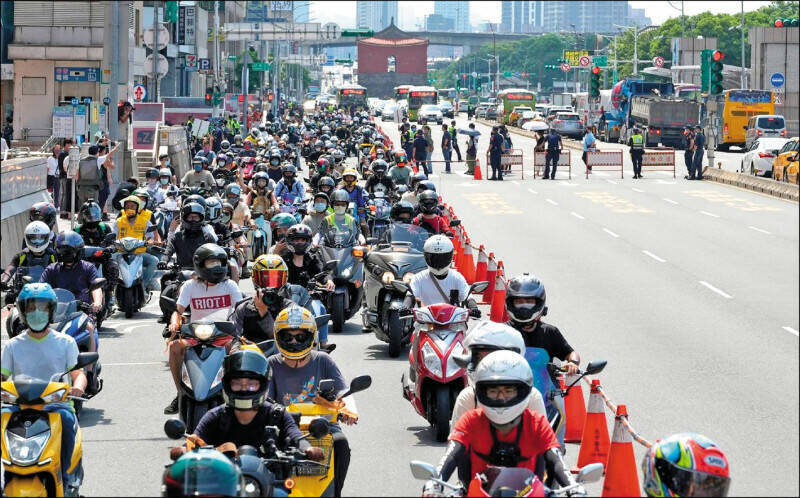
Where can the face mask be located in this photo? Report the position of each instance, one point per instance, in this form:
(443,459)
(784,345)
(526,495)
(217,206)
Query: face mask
(198,168)
(166,162)
(206,149)
(339,209)
(130,213)
(37,320)
(320,207)
(165,181)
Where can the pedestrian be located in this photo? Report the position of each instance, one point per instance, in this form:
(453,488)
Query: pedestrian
(636,143)
(470,111)
(426,130)
(699,149)
(106,161)
(688,153)
(472,148)
(8,130)
(507,144)
(64,183)
(453,140)
(447,148)
(419,150)
(602,125)
(52,173)
(554,146)
(496,148)
(589,145)
(541,142)
(89,180)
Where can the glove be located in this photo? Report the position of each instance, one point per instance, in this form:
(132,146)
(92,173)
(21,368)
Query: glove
(475,312)
(577,491)
(162,265)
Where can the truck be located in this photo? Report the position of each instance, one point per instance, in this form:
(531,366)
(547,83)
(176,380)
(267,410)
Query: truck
(617,123)
(562,98)
(662,119)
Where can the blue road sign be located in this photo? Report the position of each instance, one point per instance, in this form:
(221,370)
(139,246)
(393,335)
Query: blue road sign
(74,101)
(205,64)
(87,100)
(777,80)
(90,74)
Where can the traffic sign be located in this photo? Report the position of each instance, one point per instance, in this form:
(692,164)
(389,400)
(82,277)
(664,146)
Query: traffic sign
(565,67)
(74,101)
(190,63)
(139,93)
(658,61)
(777,80)
(572,57)
(205,64)
(507,74)
(162,65)
(600,60)
(260,67)
(585,61)
(474,74)
(149,35)
(106,100)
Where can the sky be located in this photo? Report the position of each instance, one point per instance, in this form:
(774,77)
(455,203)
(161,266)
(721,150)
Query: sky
(413,12)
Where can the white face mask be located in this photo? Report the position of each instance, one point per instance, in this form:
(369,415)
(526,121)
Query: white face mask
(339,209)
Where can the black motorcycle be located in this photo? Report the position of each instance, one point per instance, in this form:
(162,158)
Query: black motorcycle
(100,257)
(347,275)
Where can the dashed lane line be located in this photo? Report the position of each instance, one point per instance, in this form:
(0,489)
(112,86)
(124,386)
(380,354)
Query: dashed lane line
(670,201)
(638,190)
(577,215)
(648,253)
(791,331)
(760,230)
(533,191)
(714,289)
(612,182)
(551,201)
(709,214)
(606,230)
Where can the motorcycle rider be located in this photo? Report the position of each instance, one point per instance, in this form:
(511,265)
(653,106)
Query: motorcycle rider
(379,168)
(357,196)
(47,214)
(253,137)
(429,217)
(199,174)
(96,232)
(212,296)
(135,224)
(502,431)
(402,212)
(339,221)
(38,251)
(296,372)
(154,189)
(318,212)
(400,173)
(415,188)
(686,464)
(241,212)
(526,305)
(324,168)
(289,184)
(483,339)
(41,353)
(262,195)
(326,185)
(183,243)
(280,224)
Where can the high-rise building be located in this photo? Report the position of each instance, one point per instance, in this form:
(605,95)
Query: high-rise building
(438,22)
(583,16)
(457,10)
(375,15)
(637,17)
(301,11)
(516,16)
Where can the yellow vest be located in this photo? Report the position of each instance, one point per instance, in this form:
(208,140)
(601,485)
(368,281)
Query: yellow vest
(638,141)
(136,230)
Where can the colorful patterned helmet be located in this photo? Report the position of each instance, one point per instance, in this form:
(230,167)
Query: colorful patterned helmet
(685,465)
(269,272)
(291,346)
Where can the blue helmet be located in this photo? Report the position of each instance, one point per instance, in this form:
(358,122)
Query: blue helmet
(44,297)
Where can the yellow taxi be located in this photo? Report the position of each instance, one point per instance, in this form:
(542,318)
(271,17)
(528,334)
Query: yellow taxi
(785,166)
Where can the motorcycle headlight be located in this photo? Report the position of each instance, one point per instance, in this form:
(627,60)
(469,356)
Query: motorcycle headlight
(251,487)
(218,378)
(185,377)
(7,397)
(387,277)
(129,244)
(407,278)
(346,273)
(26,451)
(54,397)
(203,331)
(431,359)
(452,367)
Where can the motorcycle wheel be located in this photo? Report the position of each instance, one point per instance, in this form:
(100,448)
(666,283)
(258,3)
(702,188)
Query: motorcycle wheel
(337,312)
(126,302)
(441,422)
(394,329)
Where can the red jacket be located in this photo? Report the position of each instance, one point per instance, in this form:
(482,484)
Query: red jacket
(436,225)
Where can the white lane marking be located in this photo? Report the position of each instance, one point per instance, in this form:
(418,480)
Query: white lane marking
(606,230)
(577,215)
(662,182)
(760,230)
(638,190)
(568,184)
(791,331)
(709,214)
(551,201)
(612,182)
(133,363)
(532,191)
(514,182)
(598,173)
(670,201)
(648,253)
(718,291)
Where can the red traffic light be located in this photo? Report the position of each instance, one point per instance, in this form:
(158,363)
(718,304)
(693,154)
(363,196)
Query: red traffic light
(596,70)
(778,23)
(463,76)
(208,96)
(717,56)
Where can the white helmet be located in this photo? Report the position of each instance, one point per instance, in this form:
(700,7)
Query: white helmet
(490,336)
(37,236)
(503,368)
(438,254)
(254,132)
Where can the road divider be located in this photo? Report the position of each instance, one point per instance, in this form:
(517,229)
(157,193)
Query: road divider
(606,160)
(659,159)
(540,161)
(754,183)
(510,162)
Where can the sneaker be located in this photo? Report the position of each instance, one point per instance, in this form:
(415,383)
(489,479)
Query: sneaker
(172,407)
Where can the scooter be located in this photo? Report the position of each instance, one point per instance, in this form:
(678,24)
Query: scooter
(99,256)
(261,236)
(378,211)
(131,293)
(22,276)
(439,378)
(31,449)
(348,276)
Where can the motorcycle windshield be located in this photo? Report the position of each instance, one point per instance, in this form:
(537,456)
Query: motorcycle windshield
(403,234)
(341,237)
(538,359)
(30,388)
(67,304)
(35,272)
(500,480)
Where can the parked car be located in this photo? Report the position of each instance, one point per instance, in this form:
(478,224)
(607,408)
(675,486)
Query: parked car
(786,164)
(568,124)
(447,108)
(758,158)
(430,112)
(764,125)
(491,112)
(387,114)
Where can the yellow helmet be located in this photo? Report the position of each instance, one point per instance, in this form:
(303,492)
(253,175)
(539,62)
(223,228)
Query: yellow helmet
(350,172)
(269,272)
(291,346)
(133,198)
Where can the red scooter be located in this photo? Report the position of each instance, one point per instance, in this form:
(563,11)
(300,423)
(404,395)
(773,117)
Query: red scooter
(438,343)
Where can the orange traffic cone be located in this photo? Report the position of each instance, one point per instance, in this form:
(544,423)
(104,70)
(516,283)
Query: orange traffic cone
(469,263)
(477,175)
(491,272)
(595,441)
(499,298)
(501,270)
(480,267)
(575,409)
(622,478)
(459,256)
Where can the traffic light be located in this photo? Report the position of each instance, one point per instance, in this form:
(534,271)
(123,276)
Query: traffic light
(595,82)
(705,69)
(478,87)
(786,23)
(715,77)
(270,96)
(209,96)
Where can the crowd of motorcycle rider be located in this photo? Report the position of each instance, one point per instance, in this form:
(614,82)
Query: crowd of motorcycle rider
(258,205)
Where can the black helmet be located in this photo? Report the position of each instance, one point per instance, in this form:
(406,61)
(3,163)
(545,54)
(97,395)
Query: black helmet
(192,208)
(245,364)
(213,274)
(195,198)
(152,173)
(326,181)
(525,286)
(43,211)
(299,238)
(290,169)
(379,167)
(225,145)
(69,248)
(428,202)
(416,178)
(233,193)
(401,208)
(90,214)
(427,184)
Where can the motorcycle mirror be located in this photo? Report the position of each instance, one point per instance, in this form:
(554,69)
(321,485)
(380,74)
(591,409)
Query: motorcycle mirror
(479,286)
(422,470)
(174,428)
(360,383)
(455,223)
(322,320)
(97,283)
(595,367)
(372,241)
(330,265)
(319,428)
(462,360)
(590,473)
(85,359)
(236,234)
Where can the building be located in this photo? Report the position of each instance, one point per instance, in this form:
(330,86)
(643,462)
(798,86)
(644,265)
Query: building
(516,17)
(637,17)
(775,50)
(457,11)
(437,22)
(302,12)
(488,27)
(390,58)
(375,15)
(588,16)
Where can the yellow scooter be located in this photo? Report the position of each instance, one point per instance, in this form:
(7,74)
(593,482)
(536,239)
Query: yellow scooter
(31,436)
(313,479)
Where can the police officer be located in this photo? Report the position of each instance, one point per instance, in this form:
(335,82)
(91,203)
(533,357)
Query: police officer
(554,146)
(688,145)
(699,146)
(636,143)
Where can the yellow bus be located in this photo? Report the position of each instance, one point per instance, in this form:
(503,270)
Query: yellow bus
(401,92)
(734,109)
(419,96)
(352,94)
(511,98)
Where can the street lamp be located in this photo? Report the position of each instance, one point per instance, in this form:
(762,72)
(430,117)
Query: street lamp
(741,27)
(636,32)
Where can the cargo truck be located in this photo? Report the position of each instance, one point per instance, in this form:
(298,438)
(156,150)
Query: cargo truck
(662,119)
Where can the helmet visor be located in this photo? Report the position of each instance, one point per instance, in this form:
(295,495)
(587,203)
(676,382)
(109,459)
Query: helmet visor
(270,279)
(295,340)
(685,482)
(438,261)
(37,239)
(501,393)
(36,304)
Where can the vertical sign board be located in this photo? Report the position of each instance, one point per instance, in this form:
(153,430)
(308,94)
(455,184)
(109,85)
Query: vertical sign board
(180,35)
(189,28)
(62,121)
(81,121)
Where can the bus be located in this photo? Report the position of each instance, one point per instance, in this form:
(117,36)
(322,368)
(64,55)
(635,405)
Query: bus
(511,98)
(448,94)
(419,96)
(352,94)
(401,92)
(734,109)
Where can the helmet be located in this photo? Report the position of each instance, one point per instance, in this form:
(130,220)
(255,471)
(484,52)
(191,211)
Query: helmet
(401,208)
(203,472)
(196,198)
(237,138)
(254,132)
(322,164)
(438,254)
(289,171)
(43,298)
(262,127)
(319,144)
(416,178)
(233,193)
(274,157)
(269,272)
(211,274)
(428,201)
(151,173)
(245,364)
(224,145)
(290,319)
(503,368)
(226,212)
(379,167)
(326,129)
(165,172)
(203,161)
(37,236)
(326,185)
(349,172)
(90,214)
(69,248)
(299,238)
(213,209)
(340,195)
(685,465)
(262,183)
(192,208)
(530,287)
(490,336)
(142,194)
(43,211)
(282,220)
(427,184)
(222,159)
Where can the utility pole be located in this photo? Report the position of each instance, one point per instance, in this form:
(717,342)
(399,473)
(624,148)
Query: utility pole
(496,87)
(217,66)
(636,51)
(156,52)
(744,80)
(113,91)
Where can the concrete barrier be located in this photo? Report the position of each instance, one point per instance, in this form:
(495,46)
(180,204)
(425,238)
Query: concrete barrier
(23,182)
(754,183)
